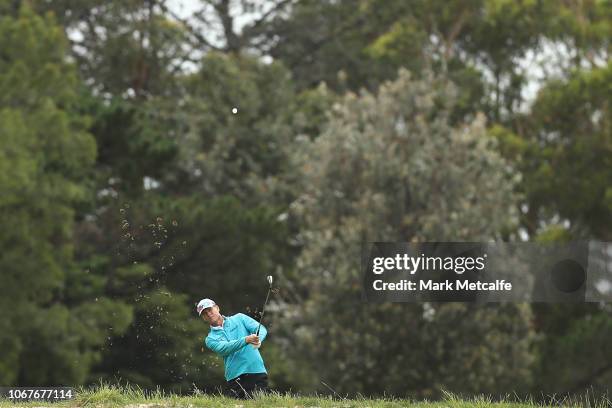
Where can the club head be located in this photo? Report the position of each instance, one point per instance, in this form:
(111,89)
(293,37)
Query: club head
(270,280)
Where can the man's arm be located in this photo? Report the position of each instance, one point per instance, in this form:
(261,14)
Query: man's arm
(224,347)
(252,324)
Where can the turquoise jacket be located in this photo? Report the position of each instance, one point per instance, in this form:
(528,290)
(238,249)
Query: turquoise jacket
(229,342)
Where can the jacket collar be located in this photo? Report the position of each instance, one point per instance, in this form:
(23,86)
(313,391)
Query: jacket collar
(219,327)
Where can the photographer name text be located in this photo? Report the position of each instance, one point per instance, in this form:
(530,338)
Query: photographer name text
(447,285)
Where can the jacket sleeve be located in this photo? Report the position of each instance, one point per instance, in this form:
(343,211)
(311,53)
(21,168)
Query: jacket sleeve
(224,347)
(251,325)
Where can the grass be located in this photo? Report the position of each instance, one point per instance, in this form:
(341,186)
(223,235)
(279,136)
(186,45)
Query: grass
(133,397)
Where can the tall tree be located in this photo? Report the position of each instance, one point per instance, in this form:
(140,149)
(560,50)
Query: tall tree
(239,126)
(45,152)
(123,48)
(565,158)
(390,167)
(567,154)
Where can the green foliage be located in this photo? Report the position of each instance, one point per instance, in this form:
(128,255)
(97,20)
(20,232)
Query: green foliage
(165,254)
(61,344)
(579,355)
(135,140)
(570,142)
(45,152)
(327,41)
(222,249)
(390,167)
(164,333)
(585,28)
(310,111)
(237,153)
(482,45)
(124,48)
(129,189)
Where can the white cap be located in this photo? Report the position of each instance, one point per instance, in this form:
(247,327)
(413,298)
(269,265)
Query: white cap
(203,304)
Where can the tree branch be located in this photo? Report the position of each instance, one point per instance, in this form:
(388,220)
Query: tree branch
(234,43)
(318,44)
(454,32)
(268,13)
(198,36)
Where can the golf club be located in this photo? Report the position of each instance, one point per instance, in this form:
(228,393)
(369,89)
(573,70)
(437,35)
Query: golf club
(270,280)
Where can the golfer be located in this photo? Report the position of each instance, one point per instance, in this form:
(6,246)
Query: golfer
(234,339)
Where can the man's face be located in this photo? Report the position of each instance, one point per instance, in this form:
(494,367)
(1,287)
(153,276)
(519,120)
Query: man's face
(212,315)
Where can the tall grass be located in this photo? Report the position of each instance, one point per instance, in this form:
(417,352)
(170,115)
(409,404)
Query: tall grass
(106,395)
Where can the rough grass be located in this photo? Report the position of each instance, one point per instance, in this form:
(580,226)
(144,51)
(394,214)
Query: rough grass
(133,397)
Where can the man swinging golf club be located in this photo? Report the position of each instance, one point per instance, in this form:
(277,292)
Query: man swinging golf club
(230,337)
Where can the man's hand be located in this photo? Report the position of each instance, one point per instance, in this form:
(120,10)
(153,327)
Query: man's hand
(253,339)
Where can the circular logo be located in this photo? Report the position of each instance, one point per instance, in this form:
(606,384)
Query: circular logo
(568,275)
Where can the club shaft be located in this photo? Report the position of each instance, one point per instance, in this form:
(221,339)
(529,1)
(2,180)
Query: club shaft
(264,310)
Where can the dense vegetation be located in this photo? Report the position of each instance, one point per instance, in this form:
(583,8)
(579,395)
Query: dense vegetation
(151,157)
